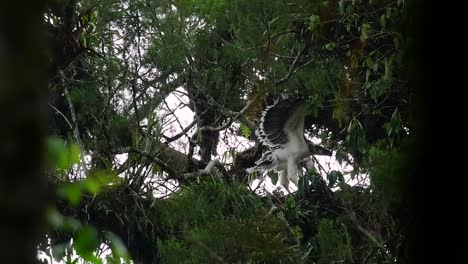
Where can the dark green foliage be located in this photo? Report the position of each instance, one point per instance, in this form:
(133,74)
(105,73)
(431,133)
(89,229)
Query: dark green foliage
(390,168)
(333,241)
(201,217)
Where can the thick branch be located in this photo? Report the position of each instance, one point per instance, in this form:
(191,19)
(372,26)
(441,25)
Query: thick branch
(174,162)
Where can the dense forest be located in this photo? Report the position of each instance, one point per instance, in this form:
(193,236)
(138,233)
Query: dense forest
(131,124)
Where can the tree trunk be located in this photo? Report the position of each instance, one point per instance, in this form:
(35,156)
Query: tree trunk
(22,109)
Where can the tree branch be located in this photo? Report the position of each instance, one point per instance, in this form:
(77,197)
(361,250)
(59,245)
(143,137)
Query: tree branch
(183,132)
(207,170)
(152,157)
(292,68)
(231,119)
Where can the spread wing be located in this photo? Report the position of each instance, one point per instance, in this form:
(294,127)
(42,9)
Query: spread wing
(283,122)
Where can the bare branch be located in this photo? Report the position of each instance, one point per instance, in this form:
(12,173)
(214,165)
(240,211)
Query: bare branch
(292,68)
(76,132)
(183,132)
(374,239)
(64,117)
(231,119)
(152,157)
(135,107)
(320,165)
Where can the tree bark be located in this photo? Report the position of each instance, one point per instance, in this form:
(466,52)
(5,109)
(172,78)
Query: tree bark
(23,84)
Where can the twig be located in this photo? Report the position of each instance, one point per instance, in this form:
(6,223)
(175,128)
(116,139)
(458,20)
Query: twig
(162,164)
(76,132)
(320,165)
(231,113)
(371,237)
(231,119)
(292,68)
(183,132)
(64,117)
(135,107)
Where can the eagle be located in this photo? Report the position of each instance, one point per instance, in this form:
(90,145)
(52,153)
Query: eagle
(281,129)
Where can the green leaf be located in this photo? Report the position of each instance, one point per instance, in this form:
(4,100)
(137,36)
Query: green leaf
(329,46)
(54,218)
(71,225)
(341,7)
(61,155)
(355,137)
(365,28)
(59,251)
(273,176)
(379,87)
(370,61)
(118,247)
(383,20)
(340,155)
(314,21)
(246,132)
(71,192)
(394,126)
(98,181)
(74,153)
(388,12)
(86,242)
(368,73)
(388,65)
(84,42)
(57,152)
(304,181)
(273,20)
(312,172)
(375,67)
(92,185)
(333,177)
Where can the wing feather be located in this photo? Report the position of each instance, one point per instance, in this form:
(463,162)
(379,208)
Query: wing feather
(282,120)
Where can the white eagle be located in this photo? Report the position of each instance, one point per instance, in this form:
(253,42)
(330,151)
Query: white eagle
(282,131)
